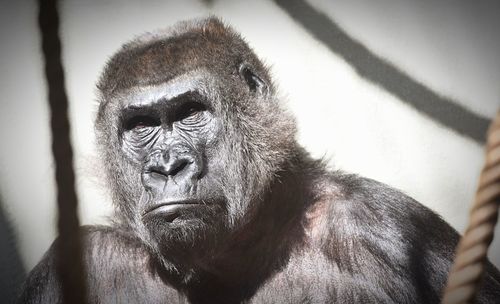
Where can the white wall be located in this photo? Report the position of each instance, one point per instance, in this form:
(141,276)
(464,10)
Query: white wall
(449,46)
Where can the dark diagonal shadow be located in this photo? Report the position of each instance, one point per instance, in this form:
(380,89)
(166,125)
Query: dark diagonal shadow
(378,71)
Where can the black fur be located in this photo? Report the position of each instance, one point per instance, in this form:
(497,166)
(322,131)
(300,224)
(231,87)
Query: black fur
(217,203)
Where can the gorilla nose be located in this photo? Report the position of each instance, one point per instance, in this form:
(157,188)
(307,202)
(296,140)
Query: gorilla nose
(173,165)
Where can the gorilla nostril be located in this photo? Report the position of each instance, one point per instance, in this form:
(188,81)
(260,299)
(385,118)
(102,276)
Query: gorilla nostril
(156,170)
(177,167)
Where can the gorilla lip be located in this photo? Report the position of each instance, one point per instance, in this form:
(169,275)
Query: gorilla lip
(170,207)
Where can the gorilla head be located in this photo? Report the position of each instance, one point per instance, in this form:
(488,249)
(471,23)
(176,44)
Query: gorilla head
(192,136)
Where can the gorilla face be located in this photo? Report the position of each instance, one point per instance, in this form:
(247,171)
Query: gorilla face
(169,138)
(170,133)
(186,145)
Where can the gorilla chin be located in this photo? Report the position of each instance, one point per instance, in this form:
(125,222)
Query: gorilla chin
(178,226)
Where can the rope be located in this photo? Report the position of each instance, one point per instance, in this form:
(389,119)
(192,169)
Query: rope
(469,266)
(68,250)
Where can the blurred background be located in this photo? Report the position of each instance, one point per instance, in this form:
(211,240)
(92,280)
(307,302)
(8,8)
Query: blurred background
(400,91)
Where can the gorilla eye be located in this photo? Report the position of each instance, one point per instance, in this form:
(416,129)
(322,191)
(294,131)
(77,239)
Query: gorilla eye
(190,112)
(140,122)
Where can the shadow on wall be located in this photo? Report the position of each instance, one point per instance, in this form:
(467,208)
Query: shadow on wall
(382,73)
(12,272)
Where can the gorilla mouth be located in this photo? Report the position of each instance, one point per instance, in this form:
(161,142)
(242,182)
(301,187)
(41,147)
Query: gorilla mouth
(170,209)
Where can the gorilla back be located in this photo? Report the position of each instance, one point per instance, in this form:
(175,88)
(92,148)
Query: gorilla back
(217,203)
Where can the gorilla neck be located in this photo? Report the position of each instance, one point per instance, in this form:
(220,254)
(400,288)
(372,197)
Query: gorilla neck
(273,229)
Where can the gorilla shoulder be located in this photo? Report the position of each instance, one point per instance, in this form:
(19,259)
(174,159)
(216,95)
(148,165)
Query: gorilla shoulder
(114,261)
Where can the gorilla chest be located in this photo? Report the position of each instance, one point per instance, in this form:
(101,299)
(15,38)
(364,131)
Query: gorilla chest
(308,278)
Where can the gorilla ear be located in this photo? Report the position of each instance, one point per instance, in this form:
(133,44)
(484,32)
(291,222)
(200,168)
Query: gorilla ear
(254,82)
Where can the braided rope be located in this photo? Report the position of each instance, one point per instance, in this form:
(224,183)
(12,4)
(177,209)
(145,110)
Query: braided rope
(466,273)
(68,251)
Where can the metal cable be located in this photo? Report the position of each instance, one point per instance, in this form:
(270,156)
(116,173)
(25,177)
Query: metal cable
(466,273)
(68,250)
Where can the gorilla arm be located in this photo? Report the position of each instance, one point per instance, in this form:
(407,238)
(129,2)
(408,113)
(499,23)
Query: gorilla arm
(118,269)
(369,243)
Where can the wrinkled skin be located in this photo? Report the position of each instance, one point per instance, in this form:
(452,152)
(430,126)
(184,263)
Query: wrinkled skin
(217,203)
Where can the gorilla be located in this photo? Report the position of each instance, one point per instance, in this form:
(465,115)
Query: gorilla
(216,202)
